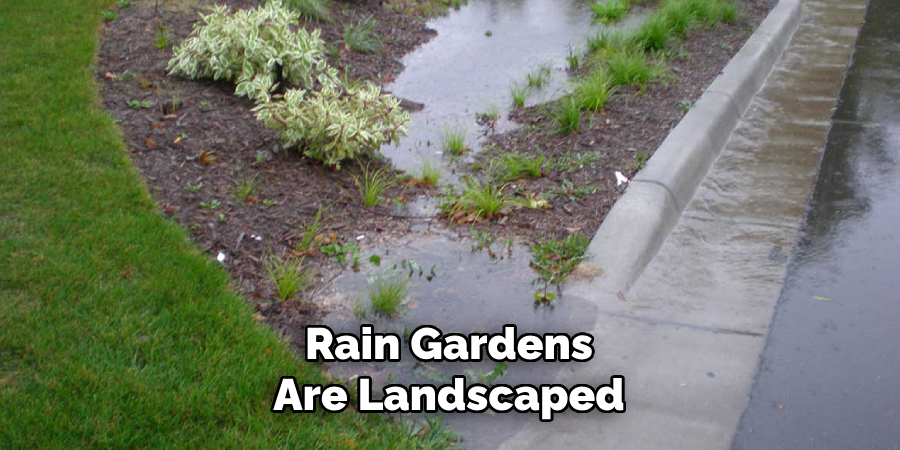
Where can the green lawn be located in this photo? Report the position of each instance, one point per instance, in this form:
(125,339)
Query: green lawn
(115,332)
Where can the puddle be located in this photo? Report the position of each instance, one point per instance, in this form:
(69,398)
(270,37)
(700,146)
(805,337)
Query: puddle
(470,291)
(462,71)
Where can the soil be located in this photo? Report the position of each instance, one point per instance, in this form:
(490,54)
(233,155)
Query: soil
(195,141)
(625,133)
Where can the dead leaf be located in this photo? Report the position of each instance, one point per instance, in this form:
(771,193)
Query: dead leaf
(822,298)
(151,144)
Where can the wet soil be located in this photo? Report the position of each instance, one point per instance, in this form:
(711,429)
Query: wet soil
(618,138)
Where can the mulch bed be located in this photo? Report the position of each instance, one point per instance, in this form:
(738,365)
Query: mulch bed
(195,141)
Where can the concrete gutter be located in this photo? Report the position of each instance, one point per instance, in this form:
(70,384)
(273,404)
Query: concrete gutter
(640,221)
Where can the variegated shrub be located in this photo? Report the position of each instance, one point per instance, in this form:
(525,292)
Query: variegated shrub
(335,124)
(256,48)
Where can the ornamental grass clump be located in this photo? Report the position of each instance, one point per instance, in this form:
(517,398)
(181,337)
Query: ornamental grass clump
(256,48)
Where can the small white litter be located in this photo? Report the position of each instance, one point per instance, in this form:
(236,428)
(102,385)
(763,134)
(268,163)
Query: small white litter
(620,178)
(360,237)
(221,257)
(256,237)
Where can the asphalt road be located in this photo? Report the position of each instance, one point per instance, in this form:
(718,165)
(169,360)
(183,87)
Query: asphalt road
(830,374)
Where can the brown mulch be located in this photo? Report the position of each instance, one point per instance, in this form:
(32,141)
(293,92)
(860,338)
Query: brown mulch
(209,142)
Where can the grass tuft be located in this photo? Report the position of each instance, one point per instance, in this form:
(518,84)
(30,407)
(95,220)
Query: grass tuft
(609,11)
(519,93)
(388,293)
(312,230)
(453,141)
(318,10)
(568,116)
(362,37)
(594,91)
(372,185)
(429,174)
(632,68)
(514,166)
(653,34)
(539,77)
(289,276)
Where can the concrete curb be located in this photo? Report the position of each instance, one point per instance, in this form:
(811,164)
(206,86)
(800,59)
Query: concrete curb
(639,223)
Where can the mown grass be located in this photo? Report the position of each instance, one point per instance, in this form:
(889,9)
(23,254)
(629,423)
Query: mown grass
(115,331)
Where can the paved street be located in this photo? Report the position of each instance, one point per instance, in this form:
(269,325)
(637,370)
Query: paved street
(830,374)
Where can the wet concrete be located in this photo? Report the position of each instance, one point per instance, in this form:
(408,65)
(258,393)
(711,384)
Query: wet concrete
(471,290)
(462,71)
(687,336)
(830,372)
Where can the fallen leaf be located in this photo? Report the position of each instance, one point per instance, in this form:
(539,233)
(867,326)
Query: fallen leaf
(151,144)
(823,298)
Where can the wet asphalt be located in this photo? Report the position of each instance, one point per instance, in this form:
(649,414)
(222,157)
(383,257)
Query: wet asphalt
(829,377)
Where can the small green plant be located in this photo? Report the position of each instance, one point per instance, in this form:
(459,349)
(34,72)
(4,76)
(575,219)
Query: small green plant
(483,199)
(488,33)
(221,218)
(677,17)
(607,40)
(124,3)
(531,200)
(568,116)
(212,204)
(161,36)
(453,141)
(653,34)
(362,37)
(340,252)
(388,293)
(568,189)
(607,11)
(519,93)
(126,76)
(594,91)
(268,203)
(685,105)
(288,276)
(109,15)
(640,159)
(483,239)
(205,105)
(488,117)
(554,260)
(310,9)
(633,68)
(728,12)
(539,77)
(429,174)
(139,104)
(573,59)
(570,162)
(312,230)
(244,188)
(372,185)
(514,166)
(191,187)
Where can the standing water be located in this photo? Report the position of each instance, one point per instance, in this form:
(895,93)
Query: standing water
(479,52)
